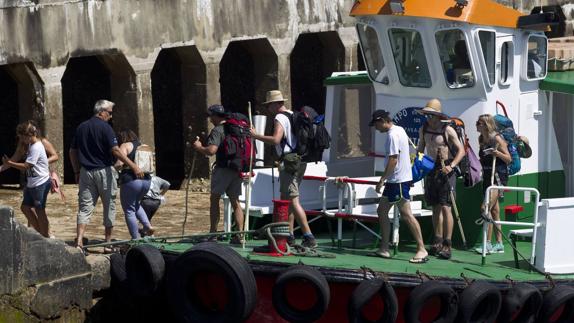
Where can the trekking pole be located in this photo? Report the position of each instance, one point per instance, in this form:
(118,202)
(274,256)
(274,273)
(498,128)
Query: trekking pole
(455,208)
(248,189)
(188,143)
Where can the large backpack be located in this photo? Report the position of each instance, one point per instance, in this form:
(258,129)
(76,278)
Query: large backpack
(312,136)
(145,159)
(469,168)
(236,146)
(505,127)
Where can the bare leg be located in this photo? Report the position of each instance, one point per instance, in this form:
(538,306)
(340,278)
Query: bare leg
(437,220)
(108,233)
(31,217)
(238,212)
(495,212)
(300,215)
(80,230)
(447,222)
(407,215)
(214,212)
(383,213)
(43,222)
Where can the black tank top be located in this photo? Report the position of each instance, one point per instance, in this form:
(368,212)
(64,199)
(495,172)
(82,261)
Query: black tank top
(127,174)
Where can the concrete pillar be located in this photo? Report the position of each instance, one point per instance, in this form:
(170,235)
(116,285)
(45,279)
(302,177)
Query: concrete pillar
(53,111)
(349,39)
(142,80)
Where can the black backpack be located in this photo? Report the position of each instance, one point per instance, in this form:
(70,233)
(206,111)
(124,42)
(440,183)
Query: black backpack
(312,136)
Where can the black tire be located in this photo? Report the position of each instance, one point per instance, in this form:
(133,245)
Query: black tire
(145,269)
(421,294)
(479,302)
(553,300)
(363,293)
(309,275)
(520,304)
(206,260)
(117,269)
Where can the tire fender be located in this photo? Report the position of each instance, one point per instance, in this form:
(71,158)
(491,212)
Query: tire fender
(364,292)
(309,275)
(479,302)
(554,299)
(145,269)
(520,304)
(423,293)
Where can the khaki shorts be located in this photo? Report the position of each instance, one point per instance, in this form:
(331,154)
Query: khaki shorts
(97,184)
(289,183)
(225,180)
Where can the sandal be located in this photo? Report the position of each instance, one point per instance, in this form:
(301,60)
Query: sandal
(110,249)
(415,260)
(384,255)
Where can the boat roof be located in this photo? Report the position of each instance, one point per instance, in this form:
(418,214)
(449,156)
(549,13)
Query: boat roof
(339,78)
(478,12)
(562,82)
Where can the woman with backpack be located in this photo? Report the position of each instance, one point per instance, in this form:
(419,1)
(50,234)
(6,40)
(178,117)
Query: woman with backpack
(133,189)
(493,153)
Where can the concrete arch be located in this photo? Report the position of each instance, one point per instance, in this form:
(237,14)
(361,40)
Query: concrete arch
(88,79)
(314,57)
(22,99)
(179,102)
(247,71)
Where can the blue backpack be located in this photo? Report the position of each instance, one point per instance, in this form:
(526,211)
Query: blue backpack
(506,129)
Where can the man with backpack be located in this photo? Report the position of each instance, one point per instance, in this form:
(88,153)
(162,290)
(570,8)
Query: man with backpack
(292,168)
(223,178)
(442,144)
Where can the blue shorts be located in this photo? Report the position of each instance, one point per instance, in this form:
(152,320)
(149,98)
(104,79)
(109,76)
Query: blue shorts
(394,192)
(36,196)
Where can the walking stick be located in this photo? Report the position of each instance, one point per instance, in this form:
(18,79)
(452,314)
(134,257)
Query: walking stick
(248,190)
(188,143)
(455,208)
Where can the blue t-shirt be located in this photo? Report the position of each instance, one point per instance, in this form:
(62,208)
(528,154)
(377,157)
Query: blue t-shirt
(94,140)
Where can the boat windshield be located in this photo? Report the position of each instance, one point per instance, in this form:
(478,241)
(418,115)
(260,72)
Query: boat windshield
(454,58)
(410,58)
(372,54)
(537,54)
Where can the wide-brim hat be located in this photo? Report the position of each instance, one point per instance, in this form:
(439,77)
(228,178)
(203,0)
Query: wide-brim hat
(274,96)
(433,107)
(526,150)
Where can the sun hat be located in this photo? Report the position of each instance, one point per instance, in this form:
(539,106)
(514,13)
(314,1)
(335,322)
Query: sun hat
(524,149)
(433,107)
(274,96)
(378,115)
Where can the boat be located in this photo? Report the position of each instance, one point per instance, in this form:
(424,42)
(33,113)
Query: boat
(409,51)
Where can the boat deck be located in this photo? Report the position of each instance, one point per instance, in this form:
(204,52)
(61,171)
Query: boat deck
(498,267)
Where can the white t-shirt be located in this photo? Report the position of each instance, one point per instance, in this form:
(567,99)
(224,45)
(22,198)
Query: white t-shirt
(398,144)
(289,141)
(39,173)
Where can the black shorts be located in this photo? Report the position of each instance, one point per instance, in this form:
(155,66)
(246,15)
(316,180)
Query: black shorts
(438,187)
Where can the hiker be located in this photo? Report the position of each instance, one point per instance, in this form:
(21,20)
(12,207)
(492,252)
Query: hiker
(223,179)
(154,197)
(440,142)
(396,179)
(92,155)
(133,188)
(291,170)
(38,181)
(492,145)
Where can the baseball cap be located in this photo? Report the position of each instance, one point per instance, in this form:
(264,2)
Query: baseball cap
(378,115)
(216,109)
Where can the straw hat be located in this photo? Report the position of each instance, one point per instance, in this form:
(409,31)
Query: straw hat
(274,96)
(433,107)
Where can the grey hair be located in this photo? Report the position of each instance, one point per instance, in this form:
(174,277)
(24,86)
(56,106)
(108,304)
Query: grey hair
(101,105)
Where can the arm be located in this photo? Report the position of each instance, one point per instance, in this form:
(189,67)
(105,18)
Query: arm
(164,186)
(75,163)
(125,149)
(50,151)
(422,144)
(125,160)
(502,151)
(275,139)
(391,165)
(206,151)
(451,137)
(6,162)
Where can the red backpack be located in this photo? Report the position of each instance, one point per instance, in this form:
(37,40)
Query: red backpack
(237,143)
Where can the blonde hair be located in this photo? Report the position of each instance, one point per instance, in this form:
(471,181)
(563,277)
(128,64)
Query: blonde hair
(490,126)
(27,128)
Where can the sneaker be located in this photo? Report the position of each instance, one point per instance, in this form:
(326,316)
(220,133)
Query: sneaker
(291,240)
(497,248)
(236,240)
(488,248)
(309,243)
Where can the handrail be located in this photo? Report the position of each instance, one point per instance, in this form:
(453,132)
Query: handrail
(488,218)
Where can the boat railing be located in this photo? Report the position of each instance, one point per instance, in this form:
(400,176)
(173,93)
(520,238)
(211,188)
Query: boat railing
(488,219)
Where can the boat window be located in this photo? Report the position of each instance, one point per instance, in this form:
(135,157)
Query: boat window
(354,115)
(454,58)
(488,46)
(537,54)
(410,58)
(506,62)
(372,54)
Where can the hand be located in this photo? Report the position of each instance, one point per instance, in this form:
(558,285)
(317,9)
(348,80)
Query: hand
(253,132)
(339,179)
(447,169)
(138,172)
(379,186)
(197,143)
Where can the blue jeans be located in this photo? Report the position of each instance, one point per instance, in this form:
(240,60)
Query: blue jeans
(131,194)
(36,196)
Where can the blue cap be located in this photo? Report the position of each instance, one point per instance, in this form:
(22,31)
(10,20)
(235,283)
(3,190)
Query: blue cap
(216,109)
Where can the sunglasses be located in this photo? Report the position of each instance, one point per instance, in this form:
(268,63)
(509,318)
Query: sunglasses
(110,112)
(480,123)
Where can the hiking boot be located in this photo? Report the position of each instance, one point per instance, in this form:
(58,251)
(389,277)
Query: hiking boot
(236,240)
(291,240)
(497,248)
(446,251)
(488,248)
(309,243)
(436,246)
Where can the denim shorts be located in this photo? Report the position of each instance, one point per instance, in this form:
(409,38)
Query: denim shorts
(36,196)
